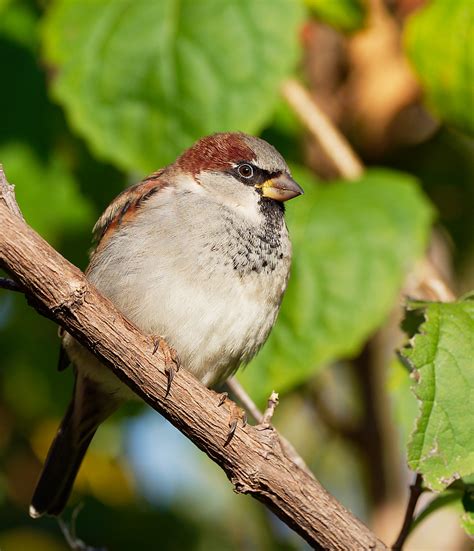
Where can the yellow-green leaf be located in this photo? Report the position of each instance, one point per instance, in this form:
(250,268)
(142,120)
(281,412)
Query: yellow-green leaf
(439,41)
(441,354)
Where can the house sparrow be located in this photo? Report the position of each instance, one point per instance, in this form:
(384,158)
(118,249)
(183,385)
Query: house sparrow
(198,254)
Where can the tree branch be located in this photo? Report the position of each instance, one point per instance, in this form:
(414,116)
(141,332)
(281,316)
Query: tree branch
(254,460)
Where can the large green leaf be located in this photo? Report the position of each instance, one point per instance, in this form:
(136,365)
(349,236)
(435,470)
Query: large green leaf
(442,356)
(403,403)
(346,15)
(47,193)
(142,80)
(18,23)
(439,43)
(352,246)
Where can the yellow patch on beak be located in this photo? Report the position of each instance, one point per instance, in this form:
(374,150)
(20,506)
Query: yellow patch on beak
(281,188)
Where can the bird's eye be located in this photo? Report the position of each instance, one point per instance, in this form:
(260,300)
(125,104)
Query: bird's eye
(246,171)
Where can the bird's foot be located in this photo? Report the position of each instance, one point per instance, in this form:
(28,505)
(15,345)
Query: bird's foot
(170,358)
(236,414)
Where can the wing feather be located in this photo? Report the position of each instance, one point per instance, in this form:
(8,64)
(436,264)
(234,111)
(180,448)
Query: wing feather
(125,206)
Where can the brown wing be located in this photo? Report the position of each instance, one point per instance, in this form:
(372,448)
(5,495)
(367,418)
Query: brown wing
(121,209)
(125,206)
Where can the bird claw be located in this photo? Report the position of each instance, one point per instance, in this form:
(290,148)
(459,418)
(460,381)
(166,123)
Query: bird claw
(222,398)
(236,414)
(169,357)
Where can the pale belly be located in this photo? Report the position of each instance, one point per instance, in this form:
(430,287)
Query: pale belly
(213,330)
(214,326)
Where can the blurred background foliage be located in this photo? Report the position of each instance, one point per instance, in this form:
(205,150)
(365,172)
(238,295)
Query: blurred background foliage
(97,93)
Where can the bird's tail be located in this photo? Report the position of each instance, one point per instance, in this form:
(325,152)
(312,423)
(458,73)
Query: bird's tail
(88,408)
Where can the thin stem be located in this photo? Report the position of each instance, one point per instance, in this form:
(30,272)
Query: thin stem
(241,395)
(415,492)
(10,285)
(271,406)
(322,128)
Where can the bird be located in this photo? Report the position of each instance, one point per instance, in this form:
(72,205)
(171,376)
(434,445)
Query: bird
(198,255)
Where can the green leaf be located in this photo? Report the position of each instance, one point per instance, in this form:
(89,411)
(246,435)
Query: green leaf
(18,23)
(352,245)
(142,80)
(47,194)
(346,15)
(439,43)
(404,404)
(442,356)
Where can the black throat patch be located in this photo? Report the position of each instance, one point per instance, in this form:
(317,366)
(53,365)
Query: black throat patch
(253,248)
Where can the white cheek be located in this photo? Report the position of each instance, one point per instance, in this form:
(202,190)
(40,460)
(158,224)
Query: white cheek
(233,194)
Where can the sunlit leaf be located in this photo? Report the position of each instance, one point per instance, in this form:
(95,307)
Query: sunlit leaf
(18,23)
(352,246)
(404,404)
(439,43)
(442,357)
(142,80)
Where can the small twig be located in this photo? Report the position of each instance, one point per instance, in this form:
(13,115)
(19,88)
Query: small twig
(240,393)
(321,127)
(272,403)
(7,194)
(415,492)
(69,533)
(10,285)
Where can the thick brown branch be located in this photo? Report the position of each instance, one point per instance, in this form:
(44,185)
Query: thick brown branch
(254,460)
